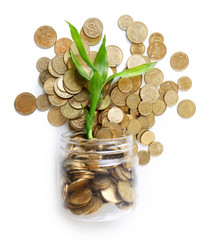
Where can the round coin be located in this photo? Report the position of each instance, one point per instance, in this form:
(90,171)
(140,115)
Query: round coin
(159,107)
(49,86)
(115,55)
(156,37)
(25,103)
(42,64)
(137,48)
(88,40)
(154,77)
(81,196)
(115,114)
(144,157)
(167,86)
(126,191)
(125,85)
(155,149)
(43,76)
(133,101)
(171,98)
(134,126)
(58,64)
(156,51)
(93,27)
(124,21)
(69,112)
(179,61)
(186,108)
(43,103)
(149,93)
(110,194)
(184,83)
(147,138)
(145,107)
(137,32)
(62,45)
(135,60)
(45,37)
(56,100)
(55,117)
(118,97)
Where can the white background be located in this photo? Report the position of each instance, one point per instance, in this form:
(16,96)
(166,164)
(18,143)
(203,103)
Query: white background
(174,188)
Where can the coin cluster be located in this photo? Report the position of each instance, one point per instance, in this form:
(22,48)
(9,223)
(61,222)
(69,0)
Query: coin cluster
(129,104)
(87,185)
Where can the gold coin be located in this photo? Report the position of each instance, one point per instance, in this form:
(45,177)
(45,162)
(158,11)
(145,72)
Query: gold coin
(126,191)
(147,138)
(110,194)
(55,117)
(137,48)
(156,37)
(186,108)
(104,133)
(124,205)
(124,123)
(80,183)
(49,86)
(114,126)
(42,64)
(78,123)
(155,149)
(144,157)
(171,98)
(43,103)
(75,50)
(167,86)
(88,40)
(179,61)
(70,112)
(43,76)
(45,37)
(118,97)
(134,113)
(145,107)
(105,103)
(82,96)
(56,100)
(71,83)
(115,114)
(62,45)
(151,119)
(97,206)
(134,126)
(59,93)
(93,27)
(124,21)
(147,59)
(137,32)
(143,121)
(92,56)
(159,107)
(184,83)
(149,93)
(25,103)
(58,64)
(133,101)
(115,55)
(125,85)
(52,71)
(77,105)
(137,81)
(135,60)
(101,181)
(138,137)
(66,57)
(154,77)
(156,51)
(81,196)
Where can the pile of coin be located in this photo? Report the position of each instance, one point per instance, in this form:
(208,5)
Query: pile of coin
(88,183)
(128,105)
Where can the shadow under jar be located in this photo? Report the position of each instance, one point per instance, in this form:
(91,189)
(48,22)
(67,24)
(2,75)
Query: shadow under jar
(97,177)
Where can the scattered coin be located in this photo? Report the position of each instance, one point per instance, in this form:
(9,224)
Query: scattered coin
(149,93)
(25,103)
(155,149)
(135,60)
(179,61)
(42,64)
(49,86)
(184,83)
(69,112)
(133,101)
(144,157)
(45,37)
(154,77)
(62,45)
(134,126)
(57,101)
(156,51)
(115,114)
(42,102)
(145,107)
(124,21)
(137,48)
(88,40)
(117,97)
(137,32)
(167,86)
(159,107)
(43,76)
(125,85)
(186,108)
(58,64)
(55,117)
(171,98)
(115,55)
(156,37)
(93,27)
(147,138)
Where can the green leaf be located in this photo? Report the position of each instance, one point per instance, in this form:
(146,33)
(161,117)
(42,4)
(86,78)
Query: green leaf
(95,88)
(132,72)
(78,41)
(101,61)
(79,67)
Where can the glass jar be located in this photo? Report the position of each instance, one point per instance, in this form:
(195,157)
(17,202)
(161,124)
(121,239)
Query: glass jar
(97,177)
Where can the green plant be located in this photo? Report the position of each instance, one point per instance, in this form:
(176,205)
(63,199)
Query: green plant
(98,77)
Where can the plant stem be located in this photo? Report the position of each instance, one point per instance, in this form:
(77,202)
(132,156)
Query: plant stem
(90,133)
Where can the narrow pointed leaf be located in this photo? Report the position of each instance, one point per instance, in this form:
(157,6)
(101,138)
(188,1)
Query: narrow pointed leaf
(79,67)
(101,61)
(132,72)
(78,41)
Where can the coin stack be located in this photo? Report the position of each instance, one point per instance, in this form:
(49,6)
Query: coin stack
(130,104)
(91,179)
